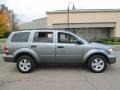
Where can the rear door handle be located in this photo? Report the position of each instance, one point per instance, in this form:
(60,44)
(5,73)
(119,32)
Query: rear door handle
(33,46)
(60,47)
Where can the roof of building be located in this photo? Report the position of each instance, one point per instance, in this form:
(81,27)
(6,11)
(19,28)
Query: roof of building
(38,23)
(40,19)
(83,10)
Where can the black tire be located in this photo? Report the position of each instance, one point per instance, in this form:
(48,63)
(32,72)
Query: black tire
(94,66)
(21,65)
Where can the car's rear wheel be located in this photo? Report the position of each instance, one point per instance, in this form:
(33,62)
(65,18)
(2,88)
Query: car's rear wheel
(97,63)
(25,64)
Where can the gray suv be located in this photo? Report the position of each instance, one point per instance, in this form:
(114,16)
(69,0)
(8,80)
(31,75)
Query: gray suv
(31,47)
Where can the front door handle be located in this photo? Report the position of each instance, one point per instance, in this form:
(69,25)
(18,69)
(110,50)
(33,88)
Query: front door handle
(60,47)
(33,46)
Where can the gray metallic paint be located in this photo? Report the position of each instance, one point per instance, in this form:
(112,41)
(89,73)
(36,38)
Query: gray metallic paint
(29,51)
(49,53)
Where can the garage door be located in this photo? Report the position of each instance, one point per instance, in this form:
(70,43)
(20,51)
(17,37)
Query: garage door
(93,33)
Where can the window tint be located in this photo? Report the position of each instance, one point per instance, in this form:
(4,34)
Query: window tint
(44,37)
(65,38)
(21,37)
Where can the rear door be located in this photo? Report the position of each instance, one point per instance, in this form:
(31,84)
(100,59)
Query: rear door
(44,45)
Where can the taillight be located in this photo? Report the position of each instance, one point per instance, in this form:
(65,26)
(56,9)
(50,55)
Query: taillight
(5,49)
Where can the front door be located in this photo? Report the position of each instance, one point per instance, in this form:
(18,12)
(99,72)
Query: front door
(67,51)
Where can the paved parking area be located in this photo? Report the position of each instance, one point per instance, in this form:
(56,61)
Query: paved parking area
(60,78)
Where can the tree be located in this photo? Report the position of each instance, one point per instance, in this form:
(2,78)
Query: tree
(4,24)
(15,22)
(8,21)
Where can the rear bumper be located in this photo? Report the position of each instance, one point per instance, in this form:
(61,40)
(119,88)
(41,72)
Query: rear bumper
(112,59)
(8,58)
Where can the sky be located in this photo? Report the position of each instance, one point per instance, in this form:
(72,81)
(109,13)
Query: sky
(28,10)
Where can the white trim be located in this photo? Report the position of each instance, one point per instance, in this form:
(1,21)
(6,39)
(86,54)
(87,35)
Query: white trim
(84,25)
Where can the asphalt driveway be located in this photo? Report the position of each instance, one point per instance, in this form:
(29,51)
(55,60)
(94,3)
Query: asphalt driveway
(60,77)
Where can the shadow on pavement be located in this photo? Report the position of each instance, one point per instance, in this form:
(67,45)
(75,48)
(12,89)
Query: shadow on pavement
(62,67)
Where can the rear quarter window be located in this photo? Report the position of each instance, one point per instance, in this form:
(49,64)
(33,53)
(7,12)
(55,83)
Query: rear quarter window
(20,37)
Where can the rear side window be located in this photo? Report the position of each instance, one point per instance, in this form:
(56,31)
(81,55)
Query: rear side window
(20,37)
(43,37)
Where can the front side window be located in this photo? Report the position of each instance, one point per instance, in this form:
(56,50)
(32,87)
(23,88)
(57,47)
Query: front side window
(43,37)
(20,37)
(66,38)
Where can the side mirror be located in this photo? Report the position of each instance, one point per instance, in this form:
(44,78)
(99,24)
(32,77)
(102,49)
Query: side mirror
(79,42)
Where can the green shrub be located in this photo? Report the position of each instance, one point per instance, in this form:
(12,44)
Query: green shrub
(112,41)
(6,34)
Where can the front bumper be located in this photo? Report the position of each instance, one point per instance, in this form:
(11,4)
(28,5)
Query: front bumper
(112,59)
(8,58)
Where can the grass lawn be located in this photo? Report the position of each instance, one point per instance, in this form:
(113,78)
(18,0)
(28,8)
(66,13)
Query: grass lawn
(2,41)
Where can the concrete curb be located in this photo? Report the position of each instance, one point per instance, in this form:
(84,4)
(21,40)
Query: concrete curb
(116,47)
(1,55)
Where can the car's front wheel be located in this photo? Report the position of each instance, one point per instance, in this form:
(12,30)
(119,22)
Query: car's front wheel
(97,63)
(25,64)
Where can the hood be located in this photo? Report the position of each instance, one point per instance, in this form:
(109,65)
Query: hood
(99,45)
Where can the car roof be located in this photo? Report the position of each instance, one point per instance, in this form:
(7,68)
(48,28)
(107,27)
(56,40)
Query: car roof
(34,30)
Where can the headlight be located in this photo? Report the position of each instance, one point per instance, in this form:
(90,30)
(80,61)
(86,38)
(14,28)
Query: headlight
(110,50)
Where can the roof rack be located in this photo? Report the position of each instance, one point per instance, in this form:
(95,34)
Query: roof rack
(43,29)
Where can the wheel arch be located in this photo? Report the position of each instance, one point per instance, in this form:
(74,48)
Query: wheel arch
(97,54)
(26,51)
(91,53)
(22,54)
